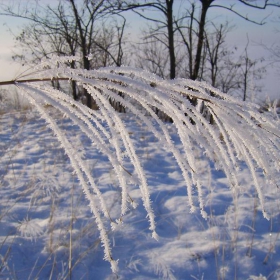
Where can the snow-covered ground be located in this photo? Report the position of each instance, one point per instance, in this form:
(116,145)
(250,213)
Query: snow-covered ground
(47,230)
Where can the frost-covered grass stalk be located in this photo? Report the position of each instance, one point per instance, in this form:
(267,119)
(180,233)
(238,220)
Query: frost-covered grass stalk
(239,134)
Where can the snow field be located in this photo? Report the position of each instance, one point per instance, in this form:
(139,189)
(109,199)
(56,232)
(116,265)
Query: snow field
(47,230)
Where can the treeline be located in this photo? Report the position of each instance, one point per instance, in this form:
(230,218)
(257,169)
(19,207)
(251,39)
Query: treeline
(176,38)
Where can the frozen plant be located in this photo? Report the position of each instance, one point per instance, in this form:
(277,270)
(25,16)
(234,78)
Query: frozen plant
(29,229)
(237,133)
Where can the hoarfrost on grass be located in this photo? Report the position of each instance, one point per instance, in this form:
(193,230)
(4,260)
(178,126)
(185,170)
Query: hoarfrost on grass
(239,138)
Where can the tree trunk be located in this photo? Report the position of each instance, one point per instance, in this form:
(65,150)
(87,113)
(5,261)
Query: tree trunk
(205,6)
(169,15)
(87,67)
(83,46)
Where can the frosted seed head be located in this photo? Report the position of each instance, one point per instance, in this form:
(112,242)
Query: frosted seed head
(204,214)
(192,209)
(134,204)
(116,225)
(114,266)
(155,236)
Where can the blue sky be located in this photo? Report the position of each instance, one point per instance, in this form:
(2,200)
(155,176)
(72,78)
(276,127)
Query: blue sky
(238,37)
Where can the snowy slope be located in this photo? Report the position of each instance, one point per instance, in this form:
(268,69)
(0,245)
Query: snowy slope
(47,230)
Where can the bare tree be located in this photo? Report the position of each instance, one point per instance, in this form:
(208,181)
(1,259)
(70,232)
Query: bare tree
(206,4)
(108,47)
(228,77)
(35,43)
(169,24)
(214,43)
(163,26)
(150,54)
(250,73)
(273,49)
(70,28)
(221,66)
(226,70)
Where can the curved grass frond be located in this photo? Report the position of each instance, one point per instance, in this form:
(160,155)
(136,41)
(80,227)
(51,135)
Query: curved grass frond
(238,134)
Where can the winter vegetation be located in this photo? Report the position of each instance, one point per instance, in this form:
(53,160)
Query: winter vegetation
(191,122)
(157,170)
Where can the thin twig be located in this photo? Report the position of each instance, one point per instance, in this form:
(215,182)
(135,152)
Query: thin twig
(14,82)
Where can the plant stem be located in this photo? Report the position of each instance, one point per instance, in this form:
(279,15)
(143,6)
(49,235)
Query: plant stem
(14,82)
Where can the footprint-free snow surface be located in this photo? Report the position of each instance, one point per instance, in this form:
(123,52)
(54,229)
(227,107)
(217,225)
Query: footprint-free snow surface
(47,230)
